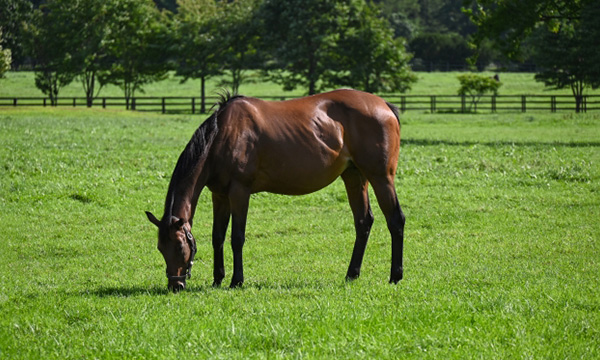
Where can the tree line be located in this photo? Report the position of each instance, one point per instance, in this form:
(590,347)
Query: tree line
(309,44)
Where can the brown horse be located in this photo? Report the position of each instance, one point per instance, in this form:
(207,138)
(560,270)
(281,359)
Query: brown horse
(290,147)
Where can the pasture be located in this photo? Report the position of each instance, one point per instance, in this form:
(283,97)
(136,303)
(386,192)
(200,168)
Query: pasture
(502,247)
(22,84)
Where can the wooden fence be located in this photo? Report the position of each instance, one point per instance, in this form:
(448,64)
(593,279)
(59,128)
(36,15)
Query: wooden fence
(423,103)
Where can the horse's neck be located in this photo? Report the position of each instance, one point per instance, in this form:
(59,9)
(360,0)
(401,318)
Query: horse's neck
(185,195)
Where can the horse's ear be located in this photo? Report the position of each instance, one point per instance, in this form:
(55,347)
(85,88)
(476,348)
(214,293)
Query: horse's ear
(153,218)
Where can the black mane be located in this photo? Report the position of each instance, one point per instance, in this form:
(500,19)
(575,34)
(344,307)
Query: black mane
(197,149)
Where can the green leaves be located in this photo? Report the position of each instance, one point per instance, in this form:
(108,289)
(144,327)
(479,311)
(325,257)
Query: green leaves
(476,86)
(325,44)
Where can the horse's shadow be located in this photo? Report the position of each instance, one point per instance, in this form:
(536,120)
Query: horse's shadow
(127,291)
(132,291)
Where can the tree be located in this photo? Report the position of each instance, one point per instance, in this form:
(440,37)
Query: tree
(49,47)
(85,26)
(476,86)
(5,58)
(366,55)
(138,47)
(321,44)
(14,15)
(438,51)
(194,33)
(566,42)
(569,57)
(238,31)
(510,22)
(299,35)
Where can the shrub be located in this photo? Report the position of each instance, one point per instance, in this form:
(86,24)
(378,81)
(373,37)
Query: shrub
(476,86)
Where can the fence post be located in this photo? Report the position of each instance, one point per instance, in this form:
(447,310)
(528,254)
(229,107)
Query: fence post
(432,104)
(463,104)
(493,103)
(133,103)
(553,103)
(403,103)
(523,103)
(44,102)
(74,102)
(15,102)
(163,105)
(104,103)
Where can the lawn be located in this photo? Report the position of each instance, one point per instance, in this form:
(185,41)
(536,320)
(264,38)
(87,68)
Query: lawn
(22,84)
(501,255)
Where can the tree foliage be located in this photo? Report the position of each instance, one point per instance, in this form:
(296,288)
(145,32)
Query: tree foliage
(366,56)
(5,58)
(239,40)
(14,16)
(475,86)
(193,33)
(564,35)
(569,57)
(320,44)
(138,46)
(510,22)
(312,44)
(50,48)
(300,35)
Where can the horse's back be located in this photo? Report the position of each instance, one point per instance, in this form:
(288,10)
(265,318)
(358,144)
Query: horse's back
(302,145)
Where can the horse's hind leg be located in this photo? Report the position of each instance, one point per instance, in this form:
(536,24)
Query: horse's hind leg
(358,196)
(388,202)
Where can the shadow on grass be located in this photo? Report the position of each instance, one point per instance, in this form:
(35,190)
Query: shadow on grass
(126,291)
(433,142)
(132,291)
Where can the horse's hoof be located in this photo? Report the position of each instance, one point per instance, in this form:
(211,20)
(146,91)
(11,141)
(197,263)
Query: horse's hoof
(350,278)
(396,277)
(216,284)
(236,284)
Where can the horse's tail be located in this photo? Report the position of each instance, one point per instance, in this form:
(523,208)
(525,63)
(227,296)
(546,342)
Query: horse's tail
(395,110)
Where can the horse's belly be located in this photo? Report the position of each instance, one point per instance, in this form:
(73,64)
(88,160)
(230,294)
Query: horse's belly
(302,171)
(293,182)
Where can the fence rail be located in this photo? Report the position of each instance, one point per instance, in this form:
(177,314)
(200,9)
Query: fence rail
(426,103)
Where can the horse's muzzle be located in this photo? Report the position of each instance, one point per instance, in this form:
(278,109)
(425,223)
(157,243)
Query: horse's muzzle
(176,286)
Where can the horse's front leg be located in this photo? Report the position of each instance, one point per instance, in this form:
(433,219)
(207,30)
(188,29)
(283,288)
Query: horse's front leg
(221,215)
(239,199)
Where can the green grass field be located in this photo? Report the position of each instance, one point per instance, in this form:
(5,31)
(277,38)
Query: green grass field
(22,84)
(502,250)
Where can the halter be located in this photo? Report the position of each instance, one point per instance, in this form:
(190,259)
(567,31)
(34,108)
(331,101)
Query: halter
(188,272)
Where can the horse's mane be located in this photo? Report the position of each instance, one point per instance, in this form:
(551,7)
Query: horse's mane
(197,148)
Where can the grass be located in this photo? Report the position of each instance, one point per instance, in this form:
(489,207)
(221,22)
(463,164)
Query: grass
(501,252)
(21,84)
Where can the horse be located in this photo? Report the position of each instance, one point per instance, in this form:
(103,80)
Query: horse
(291,147)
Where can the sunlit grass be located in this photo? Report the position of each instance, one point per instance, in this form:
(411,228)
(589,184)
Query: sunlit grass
(22,84)
(501,252)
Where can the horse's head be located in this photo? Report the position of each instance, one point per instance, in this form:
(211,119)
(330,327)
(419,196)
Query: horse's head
(178,247)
